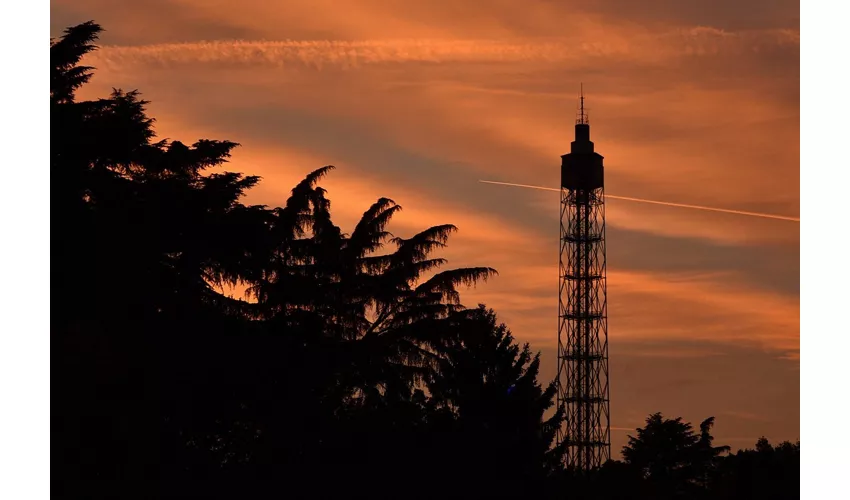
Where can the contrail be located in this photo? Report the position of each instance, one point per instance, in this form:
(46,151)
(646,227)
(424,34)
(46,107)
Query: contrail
(664,203)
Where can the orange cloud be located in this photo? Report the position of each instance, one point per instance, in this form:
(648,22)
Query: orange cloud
(726,311)
(646,47)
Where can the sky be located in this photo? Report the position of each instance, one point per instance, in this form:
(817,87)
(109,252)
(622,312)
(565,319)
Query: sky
(690,102)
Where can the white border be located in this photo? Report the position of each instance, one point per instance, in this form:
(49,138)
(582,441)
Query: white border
(824,276)
(24,209)
(25,253)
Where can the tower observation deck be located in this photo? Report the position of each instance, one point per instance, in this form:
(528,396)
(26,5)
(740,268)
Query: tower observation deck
(582,383)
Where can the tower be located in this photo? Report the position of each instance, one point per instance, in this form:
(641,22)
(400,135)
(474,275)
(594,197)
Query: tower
(582,384)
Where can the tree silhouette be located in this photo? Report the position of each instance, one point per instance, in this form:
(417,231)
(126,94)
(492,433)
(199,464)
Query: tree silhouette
(760,473)
(375,309)
(675,461)
(146,235)
(488,384)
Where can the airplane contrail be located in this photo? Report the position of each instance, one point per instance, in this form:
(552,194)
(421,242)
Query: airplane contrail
(664,203)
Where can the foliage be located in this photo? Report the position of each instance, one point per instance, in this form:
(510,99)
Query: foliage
(669,459)
(673,459)
(760,473)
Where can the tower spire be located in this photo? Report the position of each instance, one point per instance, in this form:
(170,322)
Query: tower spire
(582,142)
(582,117)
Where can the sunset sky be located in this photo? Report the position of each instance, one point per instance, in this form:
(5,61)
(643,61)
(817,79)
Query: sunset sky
(690,102)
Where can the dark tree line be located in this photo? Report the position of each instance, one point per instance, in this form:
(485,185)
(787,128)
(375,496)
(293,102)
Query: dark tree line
(353,369)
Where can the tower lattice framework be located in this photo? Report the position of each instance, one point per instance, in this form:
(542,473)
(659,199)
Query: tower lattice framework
(582,313)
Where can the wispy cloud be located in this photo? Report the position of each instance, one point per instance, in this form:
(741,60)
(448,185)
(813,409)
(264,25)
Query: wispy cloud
(648,48)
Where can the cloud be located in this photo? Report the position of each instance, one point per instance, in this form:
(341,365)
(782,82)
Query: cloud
(156,21)
(725,310)
(651,48)
(727,14)
(168,21)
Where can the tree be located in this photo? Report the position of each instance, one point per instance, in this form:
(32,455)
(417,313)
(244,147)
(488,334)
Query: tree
(760,473)
(488,384)
(671,457)
(371,314)
(353,324)
(146,236)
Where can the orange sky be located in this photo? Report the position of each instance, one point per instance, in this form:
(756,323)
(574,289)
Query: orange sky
(690,102)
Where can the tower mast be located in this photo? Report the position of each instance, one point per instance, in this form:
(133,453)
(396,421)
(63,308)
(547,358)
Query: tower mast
(582,384)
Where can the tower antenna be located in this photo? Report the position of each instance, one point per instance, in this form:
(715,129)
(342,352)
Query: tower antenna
(582,116)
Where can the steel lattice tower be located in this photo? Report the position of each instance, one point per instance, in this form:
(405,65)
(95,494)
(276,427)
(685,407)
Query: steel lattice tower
(582,313)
